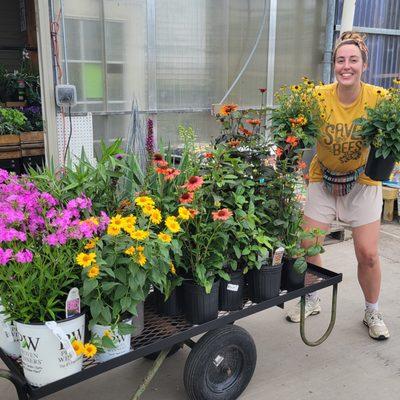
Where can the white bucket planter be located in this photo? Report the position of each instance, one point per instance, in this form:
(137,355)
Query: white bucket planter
(9,340)
(122,343)
(44,358)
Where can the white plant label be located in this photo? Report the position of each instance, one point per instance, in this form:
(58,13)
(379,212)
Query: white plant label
(73,303)
(63,338)
(233,288)
(218,360)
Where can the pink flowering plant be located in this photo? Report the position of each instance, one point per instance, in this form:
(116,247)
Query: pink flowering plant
(39,239)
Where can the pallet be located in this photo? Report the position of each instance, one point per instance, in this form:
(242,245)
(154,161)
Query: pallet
(336,235)
(389,197)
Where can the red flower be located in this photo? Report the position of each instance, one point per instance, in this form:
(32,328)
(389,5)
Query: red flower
(301,164)
(263,90)
(234,143)
(161,163)
(171,174)
(193,183)
(208,155)
(221,215)
(163,169)
(193,212)
(292,140)
(186,198)
(253,122)
(279,151)
(245,131)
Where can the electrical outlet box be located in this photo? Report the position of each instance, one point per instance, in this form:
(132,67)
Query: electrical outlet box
(66,95)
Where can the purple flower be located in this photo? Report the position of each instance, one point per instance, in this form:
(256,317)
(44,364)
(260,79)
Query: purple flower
(5,256)
(24,256)
(119,156)
(51,239)
(3,175)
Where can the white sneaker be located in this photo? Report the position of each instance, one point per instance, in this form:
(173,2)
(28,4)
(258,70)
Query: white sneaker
(313,307)
(376,327)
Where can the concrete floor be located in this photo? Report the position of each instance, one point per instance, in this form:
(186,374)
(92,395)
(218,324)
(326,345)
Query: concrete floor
(349,365)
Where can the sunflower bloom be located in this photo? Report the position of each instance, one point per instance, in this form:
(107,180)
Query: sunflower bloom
(221,215)
(155,216)
(164,237)
(85,260)
(90,350)
(183,213)
(143,200)
(194,183)
(147,209)
(113,230)
(139,235)
(130,251)
(129,222)
(93,272)
(172,224)
(78,347)
(117,220)
(141,259)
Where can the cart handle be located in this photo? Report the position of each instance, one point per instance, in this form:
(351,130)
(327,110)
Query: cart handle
(331,324)
(19,385)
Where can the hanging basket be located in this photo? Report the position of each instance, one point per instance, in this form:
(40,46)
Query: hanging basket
(379,168)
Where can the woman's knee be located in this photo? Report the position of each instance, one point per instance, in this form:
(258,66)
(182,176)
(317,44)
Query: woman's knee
(368,258)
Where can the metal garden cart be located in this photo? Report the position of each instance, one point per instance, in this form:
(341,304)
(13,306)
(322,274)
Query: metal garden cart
(220,364)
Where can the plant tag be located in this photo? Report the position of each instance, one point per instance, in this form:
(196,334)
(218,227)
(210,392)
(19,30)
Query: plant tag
(73,304)
(63,338)
(278,255)
(218,360)
(233,288)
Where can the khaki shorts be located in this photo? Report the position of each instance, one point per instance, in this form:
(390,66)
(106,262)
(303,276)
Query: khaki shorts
(361,206)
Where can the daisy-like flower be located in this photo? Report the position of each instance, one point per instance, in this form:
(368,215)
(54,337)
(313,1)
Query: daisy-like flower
(184,213)
(221,215)
(164,237)
(245,131)
(148,209)
(193,212)
(113,230)
(143,200)
(90,350)
(139,234)
(227,109)
(194,183)
(155,216)
(292,140)
(93,272)
(208,155)
(279,151)
(128,223)
(396,81)
(172,224)
(117,221)
(85,260)
(141,259)
(140,248)
(171,174)
(186,198)
(254,121)
(78,347)
(301,164)
(130,251)
(295,88)
(91,244)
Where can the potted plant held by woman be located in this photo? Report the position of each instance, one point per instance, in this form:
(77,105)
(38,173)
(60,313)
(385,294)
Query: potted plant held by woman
(380,129)
(39,239)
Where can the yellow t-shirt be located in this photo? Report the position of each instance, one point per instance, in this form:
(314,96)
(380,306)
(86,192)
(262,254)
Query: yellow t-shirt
(340,147)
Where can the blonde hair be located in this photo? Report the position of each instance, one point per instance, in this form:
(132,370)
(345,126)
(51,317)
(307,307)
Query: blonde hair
(358,39)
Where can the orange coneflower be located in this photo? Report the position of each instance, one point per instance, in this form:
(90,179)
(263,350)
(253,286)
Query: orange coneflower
(193,183)
(245,131)
(234,143)
(292,140)
(171,174)
(186,198)
(162,169)
(193,212)
(221,215)
(279,151)
(254,121)
(227,109)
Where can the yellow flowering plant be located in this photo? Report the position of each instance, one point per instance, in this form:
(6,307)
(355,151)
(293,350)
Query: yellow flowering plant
(297,118)
(119,266)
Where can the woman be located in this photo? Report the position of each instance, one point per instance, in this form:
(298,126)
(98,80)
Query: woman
(338,187)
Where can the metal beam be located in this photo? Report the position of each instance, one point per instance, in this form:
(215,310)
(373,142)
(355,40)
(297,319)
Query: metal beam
(375,31)
(273,11)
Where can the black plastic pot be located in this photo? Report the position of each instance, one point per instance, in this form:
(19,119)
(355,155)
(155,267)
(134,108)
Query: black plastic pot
(231,292)
(291,279)
(174,304)
(264,283)
(200,307)
(379,169)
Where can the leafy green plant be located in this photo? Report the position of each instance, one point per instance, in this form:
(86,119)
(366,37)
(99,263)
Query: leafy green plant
(380,128)
(11,121)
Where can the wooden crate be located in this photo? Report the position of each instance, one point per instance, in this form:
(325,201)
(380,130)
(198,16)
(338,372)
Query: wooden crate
(32,137)
(9,140)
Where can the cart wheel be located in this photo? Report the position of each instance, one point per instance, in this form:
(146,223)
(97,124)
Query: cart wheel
(175,348)
(221,364)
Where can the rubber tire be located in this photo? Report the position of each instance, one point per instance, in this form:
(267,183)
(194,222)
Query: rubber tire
(175,348)
(200,363)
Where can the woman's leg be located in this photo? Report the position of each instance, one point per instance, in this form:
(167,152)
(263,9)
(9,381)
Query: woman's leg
(366,238)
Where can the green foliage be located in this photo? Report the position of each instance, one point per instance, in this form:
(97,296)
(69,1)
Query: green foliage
(380,128)
(11,121)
